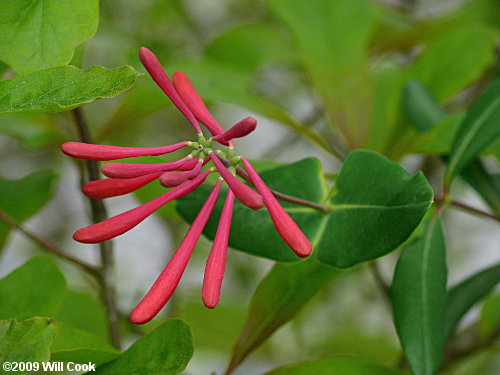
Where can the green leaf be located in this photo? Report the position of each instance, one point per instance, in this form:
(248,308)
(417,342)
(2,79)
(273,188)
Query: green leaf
(377,206)
(165,351)
(63,88)
(454,60)
(84,311)
(253,231)
(334,366)
(480,127)
(421,106)
(22,198)
(332,38)
(247,47)
(27,341)
(37,288)
(75,345)
(33,131)
(465,294)
(490,317)
(485,183)
(278,298)
(419,298)
(39,34)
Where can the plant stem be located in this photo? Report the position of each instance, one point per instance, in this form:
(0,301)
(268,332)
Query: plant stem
(466,207)
(46,245)
(379,280)
(99,213)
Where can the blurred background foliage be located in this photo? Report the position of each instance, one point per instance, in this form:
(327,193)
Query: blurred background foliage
(396,77)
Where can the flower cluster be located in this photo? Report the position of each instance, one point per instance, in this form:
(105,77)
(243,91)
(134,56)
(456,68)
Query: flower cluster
(183,176)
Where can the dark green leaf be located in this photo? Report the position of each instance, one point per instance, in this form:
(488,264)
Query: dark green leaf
(27,341)
(63,88)
(35,289)
(485,183)
(278,298)
(332,38)
(84,311)
(465,294)
(75,345)
(334,366)
(454,60)
(421,106)
(253,231)
(39,34)
(377,206)
(480,127)
(22,198)
(165,351)
(419,297)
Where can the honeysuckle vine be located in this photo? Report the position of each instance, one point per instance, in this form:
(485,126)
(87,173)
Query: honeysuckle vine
(183,176)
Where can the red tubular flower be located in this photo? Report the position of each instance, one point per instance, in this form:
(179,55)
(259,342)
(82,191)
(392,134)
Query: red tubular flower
(112,187)
(243,192)
(284,224)
(119,224)
(124,170)
(159,75)
(103,153)
(240,129)
(186,174)
(165,285)
(195,103)
(216,263)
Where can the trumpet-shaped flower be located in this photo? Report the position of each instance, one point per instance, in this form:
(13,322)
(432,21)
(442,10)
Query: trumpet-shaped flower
(182,176)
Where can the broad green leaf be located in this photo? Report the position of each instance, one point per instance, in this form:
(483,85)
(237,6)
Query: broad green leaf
(485,183)
(334,366)
(465,294)
(27,341)
(454,60)
(33,131)
(75,345)
(63,88)
(22,198)
(421,106)
(250,46)
(84,311)
(376,207)
(419,298)
(332,38)
(278,298)
(480,127)
(39,34)
(490,317)
(37,288)
(165,351)
(253,231)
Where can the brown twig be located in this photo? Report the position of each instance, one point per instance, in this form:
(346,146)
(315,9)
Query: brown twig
(466,207)
(46,245)
(99,213)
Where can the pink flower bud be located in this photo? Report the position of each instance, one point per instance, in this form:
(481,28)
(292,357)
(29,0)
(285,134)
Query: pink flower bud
(195,103)
(167,282)
(122,223)
(171,179)
(216,263)
(126,170)
(284,224)
(159,75)
(112,187)
(101,152)
(240,129)
(244,193)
